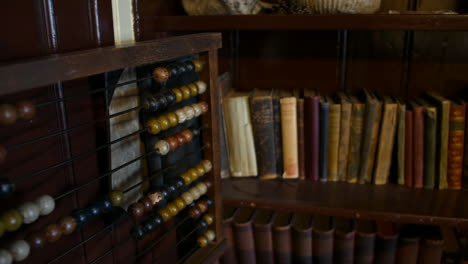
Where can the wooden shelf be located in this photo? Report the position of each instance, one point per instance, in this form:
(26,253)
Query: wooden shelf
(312,22)
(388,202)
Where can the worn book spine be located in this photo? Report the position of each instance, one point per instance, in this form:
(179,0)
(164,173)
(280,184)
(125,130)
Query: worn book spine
(277,133)
(261,108)
(401,134)
(244,241)
(229,256)
(430,140)
(430,251)
(465,162)
(333,141)
(355,140)
(387,136)
(364,249)
(409,146)
(456,146)
(345,128)
(386,247)
(344,245)
(311,125)
(300,138)
(369,140)
(263,237)
(302,245)
(282,244)
(443,144)
(407,250)
(289,134)
(324,122)
(322,250)
(418,150)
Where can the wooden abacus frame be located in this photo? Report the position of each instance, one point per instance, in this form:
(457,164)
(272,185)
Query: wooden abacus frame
(21,76)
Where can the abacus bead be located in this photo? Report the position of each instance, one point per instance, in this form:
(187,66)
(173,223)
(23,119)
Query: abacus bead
(164,122)
(106,205)
(29,211)
(179,203)
(36,240)
(189,112)
(171,189)
(80,217)
(173,121)
(161,74)
(162,101)
(189,66)
(147,203)
(208,201)
(180,183)
(195,193)
(193,89)
(173,211)
(180,139)
(137,210)
(153,126)
(46,204)
(195,212)
(172,70)
(19,250)
(210,235)
(12,220)
(208,183)
(7,187)
(7,114)
(202,241)
(158,220)
(2,228)
(193,174)
(165,214)
(200,170)
(197,109)
(162,191)
(185,92)
(208,218)
(149,225)
(138,232)
(181,68)
(3,154)
(52,233)
(201,85)
(67,225)
(196,132)
(162,147)
(187,178)
(179,96)
(203,106)
(116,198)
(203,224)
(188,135)
(198,65)
(207,165)
(181,116)
(26,110)
(5,257)
(187,198)
(170,97)
(155,198)
(202,187)
(94,210)
(150,103)
(203,206)
(172,141)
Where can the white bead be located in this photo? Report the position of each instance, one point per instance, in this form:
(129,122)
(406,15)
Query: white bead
(201,187)
(187,197)
(197,109)
(189,112)
(201,86)
(162,147)
(19,250)
(181,115)
(5,257)
(210,235)
(46,204)
(195,193)
(30,212)
(207,165)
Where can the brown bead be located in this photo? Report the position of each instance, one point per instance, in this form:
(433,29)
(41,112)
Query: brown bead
(203,106)
(147,203)
(164,122)
(36,240)
(153,126)
(180,139)
(193,89)
(200,170)
(195,212)
(3,154)
(185,92)
(161,74)
(137,210)
(188,135)
(172,117)
(203,205)
(7,114)
(52,233)
(198,65)
(116,198)
(67,225)
(179,95)
(173,143)
(12,220)
(26,110)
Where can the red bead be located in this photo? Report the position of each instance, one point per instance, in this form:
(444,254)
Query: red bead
(188,135)
(7,114)
(26,110)
(3,154)
(67,224)
(137,210)
(203,106)
(195,212)
(203,205)
(36,240)
(147,203)
(173,143)
(52,233)
(180,139)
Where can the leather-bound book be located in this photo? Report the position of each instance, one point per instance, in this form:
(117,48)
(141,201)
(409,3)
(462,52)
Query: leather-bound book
(324,121)
(278,137)
(263,235)
(409,147)
(431,247)
(401,138)
(333,139)
(322,239)
(345,128)
(365,242)
(302,238)
(456,145)
(408,245)
(289,137)
(312,133)
(386,141)
(355,139)
(300,138)
(229,256)
(243,236)
(443,125)
(430,143)
(373,115)
(262,114)
(345,232)
(282,238)
(386,243)
(418,145)
(239,132)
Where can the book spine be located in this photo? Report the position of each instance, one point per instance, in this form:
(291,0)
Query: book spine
(322,250)
(277,133)
(430,139)
(345,128)
(261,109)
(344,247)
(418,151)
(315,137)
(311,126)
(244,241)
(357,127)
(264,244)
(282,244)
(229,256)
(407,250)
(333,141)
(289,134)
(369,141)
(364,249)
(455,147)
(300,138)
(302,246)
(324,122)
(409,149)
(431,251)
(401,143)
(443,145)
(385,249)
(465,162)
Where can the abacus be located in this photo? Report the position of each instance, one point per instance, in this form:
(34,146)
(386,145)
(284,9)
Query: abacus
(111,155)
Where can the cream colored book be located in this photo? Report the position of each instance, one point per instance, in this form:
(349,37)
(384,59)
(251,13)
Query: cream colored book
(289,136)
(239,133)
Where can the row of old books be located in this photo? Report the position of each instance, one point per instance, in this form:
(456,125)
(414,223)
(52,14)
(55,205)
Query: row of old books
(259,236)
(355,138)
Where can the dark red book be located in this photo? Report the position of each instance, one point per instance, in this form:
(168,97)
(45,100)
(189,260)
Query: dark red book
(409,149)
(312,134)
(345,231)
(262,222)
(418,143)
(229,256)
(302,239)
(322,234)
(243,234)
(386,243)
(282,238)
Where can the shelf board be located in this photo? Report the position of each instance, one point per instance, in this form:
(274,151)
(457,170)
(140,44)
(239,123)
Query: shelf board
(431,22)
(388,202)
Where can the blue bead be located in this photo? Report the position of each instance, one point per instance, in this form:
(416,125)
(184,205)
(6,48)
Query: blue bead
(138,232)
(106,205)
(179,183)
(81,217)
(149,225)
(158,220)
(94,211)
(7,188)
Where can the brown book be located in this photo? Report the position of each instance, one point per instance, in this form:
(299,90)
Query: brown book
(322,239)
(229,256)
(430,143)
(431,247)
(345,231)
(418,145)
(302,239)
(345,128)
(409,146)
(282,238)
(334,124)
(355,139)
(365,242)
(401,138)
(263,235)
(243,234)
(456,146)
(312,130)
(408,245)
(300,138)
(386,243)
(289,135)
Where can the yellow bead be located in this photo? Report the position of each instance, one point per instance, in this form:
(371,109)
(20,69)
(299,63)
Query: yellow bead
(165,214)
(208,218)
(179,203)
(173,120)
(198,65)
(193,89)
(195,193)
(179,95)
(193,174)
(200,170)
(164,122)
(153,126)
(187,197)
(202,241)
(185,91)
(172,209)
(210,235)
(116,198)
(202,188)
(12,220)
(207,165)
(187,179)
